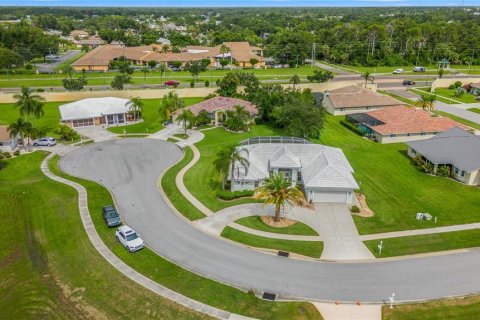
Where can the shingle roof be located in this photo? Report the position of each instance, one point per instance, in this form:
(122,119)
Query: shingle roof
(93,107)
(403,120)
(455,146)
(224,103)
(320,166)
(355,97)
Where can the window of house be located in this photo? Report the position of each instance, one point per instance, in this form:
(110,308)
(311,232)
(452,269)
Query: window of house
(462,174)
(256,184)
(414,152)
(110,119)
(121,118)
(299,176)
(393,135)
(456,170)
(342,109)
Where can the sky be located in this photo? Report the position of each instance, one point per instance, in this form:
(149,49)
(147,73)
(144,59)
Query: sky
(244,3)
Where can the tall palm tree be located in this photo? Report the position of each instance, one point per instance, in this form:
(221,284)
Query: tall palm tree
(277,190)
(222,163)
(145,70)
(185,117)
(226,159)
(29,132)
(68,70)
(135,106)
(368,76)
(30,104)
(295,80)
(169,104)
(426,102)
(162,68)
(17,129)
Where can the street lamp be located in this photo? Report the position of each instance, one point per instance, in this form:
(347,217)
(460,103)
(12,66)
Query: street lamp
(392,299)
(380,247)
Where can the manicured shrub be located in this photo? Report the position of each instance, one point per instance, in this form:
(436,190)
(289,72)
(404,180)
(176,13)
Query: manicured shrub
(355,209)
(16,153)
(443,171)
(40,90)
(207,83)
(352,127)
(192,84)
(230,195)
(7,155)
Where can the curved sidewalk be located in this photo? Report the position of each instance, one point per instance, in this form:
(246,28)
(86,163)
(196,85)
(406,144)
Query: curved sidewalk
(122,266)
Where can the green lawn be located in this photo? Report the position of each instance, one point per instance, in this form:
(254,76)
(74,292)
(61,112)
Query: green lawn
(181,135)
(298,228)
(404,100)
(452,309)
(426,91)
(307,248)
(152,120)
(449,93)
(170,188)
(476,110)
(426,243)
(180,280)
(458,119)
(48,267)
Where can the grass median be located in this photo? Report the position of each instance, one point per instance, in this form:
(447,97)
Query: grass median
(306,248)
(180,280)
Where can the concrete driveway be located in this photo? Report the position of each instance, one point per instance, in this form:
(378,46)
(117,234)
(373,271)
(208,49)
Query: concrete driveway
(97,133)
(130,169)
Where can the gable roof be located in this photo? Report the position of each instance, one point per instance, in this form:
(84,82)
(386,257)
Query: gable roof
(320,166)
(455,146)
(223,103)
(355,97)
(404,120)
(93,108)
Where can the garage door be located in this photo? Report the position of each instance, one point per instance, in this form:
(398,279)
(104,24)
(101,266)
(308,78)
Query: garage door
(325,196)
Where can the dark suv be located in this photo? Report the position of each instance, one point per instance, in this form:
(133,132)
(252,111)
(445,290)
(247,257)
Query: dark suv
(408,82)
(111,217)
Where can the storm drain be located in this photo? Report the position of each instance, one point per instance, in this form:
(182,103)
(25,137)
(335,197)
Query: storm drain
(269,296)
(283,253)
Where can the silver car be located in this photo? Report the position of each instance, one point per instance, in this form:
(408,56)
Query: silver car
(47,141)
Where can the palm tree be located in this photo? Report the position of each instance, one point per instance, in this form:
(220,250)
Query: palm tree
(185,117)
(222,163)
(226,159)
(368,76)
(145,70)
(17,129)
(29,132)
(426,102)
(295,80)
(169,104)
(162,68)
(277,190)
(135,106)
(68,70)
(29,104)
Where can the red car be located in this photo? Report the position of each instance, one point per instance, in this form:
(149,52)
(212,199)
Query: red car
(171,83)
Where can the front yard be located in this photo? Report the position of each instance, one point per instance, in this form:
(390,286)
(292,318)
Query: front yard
(449,93)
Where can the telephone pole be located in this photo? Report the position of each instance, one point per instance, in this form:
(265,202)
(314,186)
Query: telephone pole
(313,54)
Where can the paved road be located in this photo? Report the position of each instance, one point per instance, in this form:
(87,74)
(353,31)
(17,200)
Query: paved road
(49,67)
(333,69)
(130,167)
(458,110)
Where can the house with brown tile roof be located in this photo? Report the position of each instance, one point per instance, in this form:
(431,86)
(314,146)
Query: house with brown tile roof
(6,142)
(218,106)
(354,99)
(401,123)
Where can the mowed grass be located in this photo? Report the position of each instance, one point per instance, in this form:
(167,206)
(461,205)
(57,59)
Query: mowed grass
(174,195)
(152,119)
(48,267)
(449,93)
(425,243)
(453,309)
(180,280)
(475,110)
(458,119)
(202,180)
(298,228)
(395,189)
(306,248)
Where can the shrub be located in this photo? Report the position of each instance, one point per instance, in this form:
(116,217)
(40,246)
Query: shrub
(428,167)
(443,171)
(352,127)
(7,155)
(28,66)
(230,195)
(355,209)
(207,83)
(16,153)
(40,90)
(192,84)
(1,157)
(66,133)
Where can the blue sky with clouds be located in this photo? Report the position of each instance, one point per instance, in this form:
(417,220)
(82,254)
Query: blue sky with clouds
(244,3)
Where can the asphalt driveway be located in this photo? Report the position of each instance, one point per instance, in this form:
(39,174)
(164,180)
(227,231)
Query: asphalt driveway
(130,169)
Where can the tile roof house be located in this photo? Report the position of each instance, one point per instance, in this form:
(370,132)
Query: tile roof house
(456,148)
(79,34)
(354,99)
(6,141)
(400,124)
(217,106)
(324,172)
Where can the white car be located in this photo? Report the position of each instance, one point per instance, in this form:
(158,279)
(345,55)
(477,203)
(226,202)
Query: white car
(47,141)
(129,238)
(397,71)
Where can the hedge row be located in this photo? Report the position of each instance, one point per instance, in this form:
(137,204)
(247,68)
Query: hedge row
(229,195)
(352,127)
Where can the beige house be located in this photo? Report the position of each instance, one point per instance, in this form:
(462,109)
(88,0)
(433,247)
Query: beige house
(354,99)
(457,149)
(6,142)
(96,112)
(79,34)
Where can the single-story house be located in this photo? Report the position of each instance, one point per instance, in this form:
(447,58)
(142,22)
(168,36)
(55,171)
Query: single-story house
(217,107)
(354,99)
(81,34)
(474,88)
(95,112)
(400,124)
(324,172)
(6,140)
(456,148)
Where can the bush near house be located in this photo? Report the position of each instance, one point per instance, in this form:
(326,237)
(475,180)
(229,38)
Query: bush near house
(230,195)
(352,127)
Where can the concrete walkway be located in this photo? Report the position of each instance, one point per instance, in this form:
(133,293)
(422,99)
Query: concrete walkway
(123,267)
(194,136)
(331,311)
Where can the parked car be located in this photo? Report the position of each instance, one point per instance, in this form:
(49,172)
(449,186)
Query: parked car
(408,82)
(397,71)
(47,141)
(167,123)
(129,238)
(111,216)
(419,69)
(171,83)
